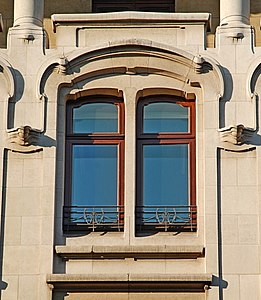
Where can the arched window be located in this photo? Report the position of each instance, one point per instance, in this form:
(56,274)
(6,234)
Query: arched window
(94,164)
(166,164)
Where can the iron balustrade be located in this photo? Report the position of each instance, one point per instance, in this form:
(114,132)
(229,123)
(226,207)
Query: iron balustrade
(166,218)
(93,218)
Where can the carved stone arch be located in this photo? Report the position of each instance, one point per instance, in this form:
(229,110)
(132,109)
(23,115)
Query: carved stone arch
(8,89)
(78,65)
(253,74)
(71,72)
(7,70)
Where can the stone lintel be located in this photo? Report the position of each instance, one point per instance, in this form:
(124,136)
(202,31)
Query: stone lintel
(132,18)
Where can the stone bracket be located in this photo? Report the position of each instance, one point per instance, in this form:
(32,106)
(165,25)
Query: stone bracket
(23,139)
(236,138)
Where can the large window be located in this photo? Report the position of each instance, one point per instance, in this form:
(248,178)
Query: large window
(94,164)
(165,164)
(133,5)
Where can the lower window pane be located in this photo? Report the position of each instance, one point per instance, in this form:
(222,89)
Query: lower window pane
(94,175)
(165,175)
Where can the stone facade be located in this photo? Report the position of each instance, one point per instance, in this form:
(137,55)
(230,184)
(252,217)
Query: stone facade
(58,52)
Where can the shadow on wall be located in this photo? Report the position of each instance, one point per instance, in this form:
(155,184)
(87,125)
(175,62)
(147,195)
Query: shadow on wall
(3,284)
(226,97)
(19,82)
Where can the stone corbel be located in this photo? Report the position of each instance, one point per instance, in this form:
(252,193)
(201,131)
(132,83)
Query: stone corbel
(200,65)
(62,66)
(236,137)
(23,139)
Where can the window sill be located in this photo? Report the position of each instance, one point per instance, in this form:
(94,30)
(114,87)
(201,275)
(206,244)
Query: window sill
(136,252)
(130,282)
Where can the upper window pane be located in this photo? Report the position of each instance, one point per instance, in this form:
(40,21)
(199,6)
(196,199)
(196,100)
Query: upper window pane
(95,117)
(165,117)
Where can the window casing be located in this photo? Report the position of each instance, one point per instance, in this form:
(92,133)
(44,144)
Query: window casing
(102,6)
(166,156)
(94,183)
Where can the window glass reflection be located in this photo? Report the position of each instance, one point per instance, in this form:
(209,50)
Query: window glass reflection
(165,117)
(95,117)
(165,175)
(94,175)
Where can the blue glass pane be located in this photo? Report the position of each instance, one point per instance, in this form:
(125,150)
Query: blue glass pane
(95,117)
(165,117)
(94,175)
(165,175)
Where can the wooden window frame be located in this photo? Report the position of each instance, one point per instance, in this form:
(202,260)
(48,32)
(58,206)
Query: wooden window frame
(100,138)
(169,138)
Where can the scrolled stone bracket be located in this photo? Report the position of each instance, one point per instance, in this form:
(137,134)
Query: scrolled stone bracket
(236,138)
(23,139)
(62,66)
(200,65)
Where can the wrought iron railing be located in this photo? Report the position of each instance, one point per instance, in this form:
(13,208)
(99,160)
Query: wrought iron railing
(166,218)
(93,218)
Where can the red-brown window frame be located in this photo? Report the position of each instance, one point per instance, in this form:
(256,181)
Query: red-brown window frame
(99,138)
(167,138)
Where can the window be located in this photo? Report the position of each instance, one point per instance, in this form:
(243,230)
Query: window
(94,164)
(166,164)
(133,5)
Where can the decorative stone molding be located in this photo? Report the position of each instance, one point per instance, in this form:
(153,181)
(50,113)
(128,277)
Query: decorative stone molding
(23,139)
(126,282)
(62,66)
(236,134)
(236,137)
(200,65)
(136,252)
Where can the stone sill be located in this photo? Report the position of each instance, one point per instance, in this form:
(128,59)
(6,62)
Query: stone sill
(132,17)
(130,282)
(136,252)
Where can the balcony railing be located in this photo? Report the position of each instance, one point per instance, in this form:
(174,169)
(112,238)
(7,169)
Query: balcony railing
(93,218)
(166,218)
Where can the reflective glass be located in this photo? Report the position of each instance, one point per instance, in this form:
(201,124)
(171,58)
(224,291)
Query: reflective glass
(165,175)
(95,117)
(94,175)
(165,117)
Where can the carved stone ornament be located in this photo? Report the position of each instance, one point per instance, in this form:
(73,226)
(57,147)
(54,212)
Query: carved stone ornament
(62,66)
(235,137)
(23,139)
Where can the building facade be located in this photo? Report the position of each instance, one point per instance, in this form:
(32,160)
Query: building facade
(130,162)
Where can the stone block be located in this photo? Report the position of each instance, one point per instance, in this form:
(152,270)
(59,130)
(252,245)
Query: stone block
(240,259)
(248,229)
(230,229)
(30,231)
(12,235)
(11,290)
(250,287)
(246,171)
(28,287)
(232,291)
